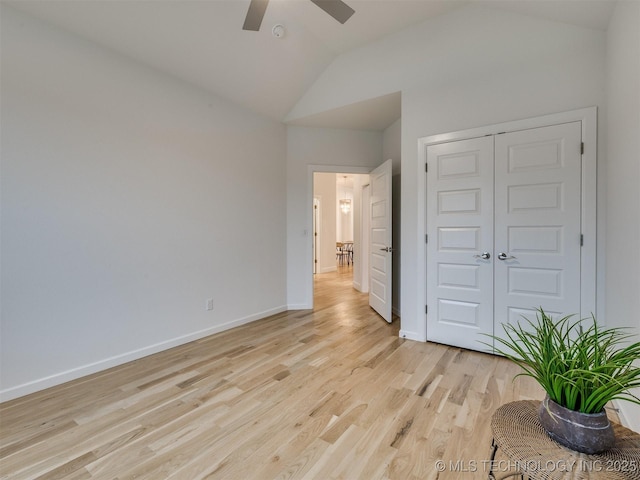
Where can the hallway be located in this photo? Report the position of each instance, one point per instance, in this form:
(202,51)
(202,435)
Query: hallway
(336,287)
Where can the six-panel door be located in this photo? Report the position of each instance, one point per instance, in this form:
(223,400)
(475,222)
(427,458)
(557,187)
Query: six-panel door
(503,221)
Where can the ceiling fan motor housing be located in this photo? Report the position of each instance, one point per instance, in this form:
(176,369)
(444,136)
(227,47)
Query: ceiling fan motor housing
(336,8)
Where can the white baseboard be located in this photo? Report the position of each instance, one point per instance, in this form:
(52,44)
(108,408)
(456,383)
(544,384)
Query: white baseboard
(328,269)
(629,414)
(358,286)
(84,370)
(411,336)
(299,306)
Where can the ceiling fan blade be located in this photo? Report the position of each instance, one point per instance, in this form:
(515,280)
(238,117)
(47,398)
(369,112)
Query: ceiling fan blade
(336,8)
(255,15)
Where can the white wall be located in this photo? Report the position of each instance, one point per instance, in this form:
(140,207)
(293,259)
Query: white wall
(344,221)
(128,199)
(349,151)
(324,187)
(546,87)
(392,145)
(463,46)
(474,66)
(623,178)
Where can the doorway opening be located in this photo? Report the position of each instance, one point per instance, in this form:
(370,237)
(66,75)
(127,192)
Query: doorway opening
(340,224)
(354,237)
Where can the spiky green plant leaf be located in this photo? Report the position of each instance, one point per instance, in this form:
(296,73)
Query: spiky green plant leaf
(581,368)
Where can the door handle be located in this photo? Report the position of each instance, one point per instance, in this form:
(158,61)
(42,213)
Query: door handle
(483,255)
(503,256)
(388,249)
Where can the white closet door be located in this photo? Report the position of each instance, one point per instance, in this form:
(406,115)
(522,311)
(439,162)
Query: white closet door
(460,232)
(537,222)
(514,198)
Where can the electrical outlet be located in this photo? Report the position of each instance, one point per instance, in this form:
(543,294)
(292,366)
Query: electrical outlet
(209,305)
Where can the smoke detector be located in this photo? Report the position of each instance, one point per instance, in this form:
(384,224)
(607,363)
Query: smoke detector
(278,31)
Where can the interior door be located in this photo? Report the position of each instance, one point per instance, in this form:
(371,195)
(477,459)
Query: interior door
(380,251)
(537,222)
(504,231)
(460,242)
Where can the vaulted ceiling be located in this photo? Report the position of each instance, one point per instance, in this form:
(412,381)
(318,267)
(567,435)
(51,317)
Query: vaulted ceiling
(202,42)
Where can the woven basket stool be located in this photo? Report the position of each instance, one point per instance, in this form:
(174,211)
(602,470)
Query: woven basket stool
(533,455)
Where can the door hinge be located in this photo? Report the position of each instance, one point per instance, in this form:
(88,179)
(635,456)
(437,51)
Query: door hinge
(582,148)
(426,309)
(426,167)
(426,239)
(581,240)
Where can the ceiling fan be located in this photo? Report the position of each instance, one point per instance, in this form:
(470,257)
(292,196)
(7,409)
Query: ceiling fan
(336,8)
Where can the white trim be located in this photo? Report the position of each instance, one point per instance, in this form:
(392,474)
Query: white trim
(626,414)
(311,169)
(316,234)
(590,297)
(328,269)
(588,252)
(82,371)
(365,234)
(411,336)
(299,306)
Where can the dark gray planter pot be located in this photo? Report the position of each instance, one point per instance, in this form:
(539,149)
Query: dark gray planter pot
(584,432)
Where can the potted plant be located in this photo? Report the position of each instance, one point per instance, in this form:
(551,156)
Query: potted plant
(581,368)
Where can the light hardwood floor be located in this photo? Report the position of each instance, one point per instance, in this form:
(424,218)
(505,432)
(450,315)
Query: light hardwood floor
(326,394)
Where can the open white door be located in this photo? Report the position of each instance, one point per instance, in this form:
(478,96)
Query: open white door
(380,241)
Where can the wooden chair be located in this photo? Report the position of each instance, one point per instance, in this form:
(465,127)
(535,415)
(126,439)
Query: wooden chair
(348,250)
(340,253)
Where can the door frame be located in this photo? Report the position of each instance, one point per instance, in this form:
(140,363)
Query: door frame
(365,219)
(589,294)
(315,231)
(311,169)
